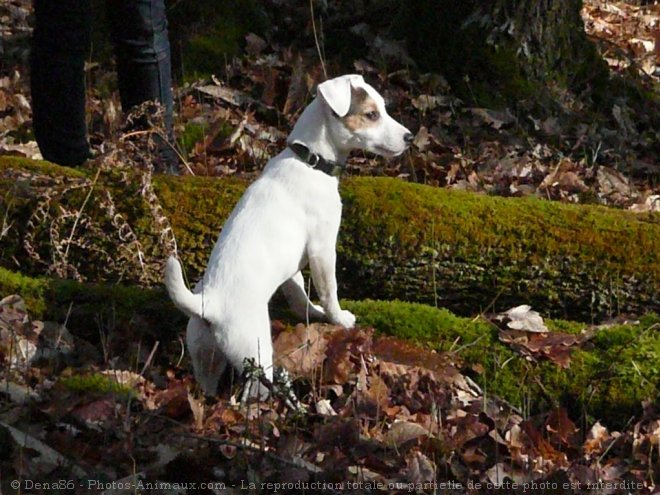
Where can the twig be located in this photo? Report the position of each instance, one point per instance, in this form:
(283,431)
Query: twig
(490,305)
(469,344)
(183,352)
(316,38)
(633,63)
(548,395)
(164,138)
(123,137)
(613,442)
(181,157)
(68,313)
(151,356)
(75,222)
(6,227)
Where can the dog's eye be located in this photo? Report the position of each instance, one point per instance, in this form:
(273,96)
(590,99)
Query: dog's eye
(372,115)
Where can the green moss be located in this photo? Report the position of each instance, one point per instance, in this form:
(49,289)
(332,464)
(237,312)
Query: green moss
(192,134)
(95,383)
(93,307)
(39,166)
(607,381)
(413,242)
(611,380)
(565,326)
(197,208)
(425,324)
(32,290)
(209,51)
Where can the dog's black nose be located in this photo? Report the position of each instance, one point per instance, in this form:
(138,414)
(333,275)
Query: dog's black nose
(408,138)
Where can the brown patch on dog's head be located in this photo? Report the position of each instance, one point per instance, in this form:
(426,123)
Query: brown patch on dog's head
(363,111)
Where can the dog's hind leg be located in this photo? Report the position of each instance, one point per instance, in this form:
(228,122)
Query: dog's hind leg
(248,338)
(207,359)
(296,295)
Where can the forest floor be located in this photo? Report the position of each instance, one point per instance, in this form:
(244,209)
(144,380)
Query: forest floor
(378,415)
(396,425)
(233,123)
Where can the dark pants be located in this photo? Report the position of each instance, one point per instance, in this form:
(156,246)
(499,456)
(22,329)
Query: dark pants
(61,44)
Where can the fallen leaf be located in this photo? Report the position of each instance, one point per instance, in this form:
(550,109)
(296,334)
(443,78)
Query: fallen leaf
(561,429)
(47,457)
(596,440)
(197,408)
(95,414)
(419,468)
(302,351)
(344,353)
(402,432)
(611,181)
(651,203)
(494,118)
(254,44)
(324,408)
(523,318)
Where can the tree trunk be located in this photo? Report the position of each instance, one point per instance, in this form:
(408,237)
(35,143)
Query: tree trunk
(503,51)
(397,240)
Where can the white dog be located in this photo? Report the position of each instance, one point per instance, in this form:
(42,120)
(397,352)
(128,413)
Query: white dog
(287,218)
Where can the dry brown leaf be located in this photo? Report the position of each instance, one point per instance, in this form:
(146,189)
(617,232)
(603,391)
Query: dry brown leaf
(561,429)
(344,353)
(611,181)
(465,428)
(394,350)
(378,391)
(197,408)
(301,351)
(419,468)
(541,449)
(95,414)
(597,439)
(174,400)
(402,432)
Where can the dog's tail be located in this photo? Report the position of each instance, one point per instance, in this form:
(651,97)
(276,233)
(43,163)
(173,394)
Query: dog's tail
(182,297)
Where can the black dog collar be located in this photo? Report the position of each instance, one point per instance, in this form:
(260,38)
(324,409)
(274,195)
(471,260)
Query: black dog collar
(317,162)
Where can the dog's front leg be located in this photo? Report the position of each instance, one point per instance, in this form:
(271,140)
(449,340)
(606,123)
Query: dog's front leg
(296,295)
(322,264)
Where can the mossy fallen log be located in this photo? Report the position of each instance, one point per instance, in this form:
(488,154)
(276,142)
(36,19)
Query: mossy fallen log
(397,241)
(606,380)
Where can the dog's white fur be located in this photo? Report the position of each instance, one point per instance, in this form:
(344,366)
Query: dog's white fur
(287,218)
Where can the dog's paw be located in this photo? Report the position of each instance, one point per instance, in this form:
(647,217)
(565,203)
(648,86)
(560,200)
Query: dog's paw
(346,319)
(312,312)
(316,312)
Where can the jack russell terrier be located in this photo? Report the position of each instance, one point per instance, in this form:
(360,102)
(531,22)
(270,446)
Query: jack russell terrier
(288,218)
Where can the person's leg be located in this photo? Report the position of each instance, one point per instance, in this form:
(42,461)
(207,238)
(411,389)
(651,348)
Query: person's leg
(60,45)
(139,32)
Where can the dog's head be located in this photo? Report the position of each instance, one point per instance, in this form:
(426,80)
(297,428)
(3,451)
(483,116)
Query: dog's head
(357,118)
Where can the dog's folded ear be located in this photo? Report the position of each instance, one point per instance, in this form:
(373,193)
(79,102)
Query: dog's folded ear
(337,92)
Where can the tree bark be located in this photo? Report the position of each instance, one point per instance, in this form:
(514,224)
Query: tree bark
(506,50)
(397,240)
